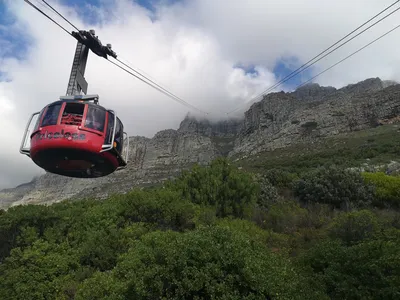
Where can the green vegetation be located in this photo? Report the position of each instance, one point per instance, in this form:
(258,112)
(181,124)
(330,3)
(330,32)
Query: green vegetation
(340,188)
(311,230)
(387,189)
(372,146)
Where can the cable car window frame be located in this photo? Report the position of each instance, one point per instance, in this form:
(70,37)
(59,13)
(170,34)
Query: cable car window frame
(108,147)
(119,129)
(110,126)
(64,108)
(85,118)
(126,147)
(60,106)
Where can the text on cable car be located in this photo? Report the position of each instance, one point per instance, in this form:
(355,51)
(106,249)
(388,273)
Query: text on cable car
(60,135)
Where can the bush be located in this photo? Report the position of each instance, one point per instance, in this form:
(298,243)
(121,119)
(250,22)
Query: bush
(387,189)
(268,193)
(274,241)
(208,263)
(310,124)
(163,207)
(230,191)
(285,217)
(388,218)
(37,272)
(368,270)
(101,285)
(354,227)
(280,178)
(337,187)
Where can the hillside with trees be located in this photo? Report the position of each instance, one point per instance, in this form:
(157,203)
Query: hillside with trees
(313,230)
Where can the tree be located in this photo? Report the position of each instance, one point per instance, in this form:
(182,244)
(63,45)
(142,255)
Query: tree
(220,185)
(368,270)
(338,187)
(208,263)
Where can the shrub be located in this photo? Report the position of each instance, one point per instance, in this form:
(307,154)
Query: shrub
(268,193)
(354,227)
(338,187)
(286,216)
(209,263)
(310,124)
(368,270)
(280,178)
(163,207)
(387,189)
(221,185)
(101,285)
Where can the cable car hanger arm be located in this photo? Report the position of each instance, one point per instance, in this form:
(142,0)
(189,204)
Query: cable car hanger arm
(91,41)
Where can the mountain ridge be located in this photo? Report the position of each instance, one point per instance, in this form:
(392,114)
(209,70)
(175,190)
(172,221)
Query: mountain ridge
(279,120)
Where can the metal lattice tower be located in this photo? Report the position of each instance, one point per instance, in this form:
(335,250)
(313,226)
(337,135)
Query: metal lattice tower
(77,82)
(86,40)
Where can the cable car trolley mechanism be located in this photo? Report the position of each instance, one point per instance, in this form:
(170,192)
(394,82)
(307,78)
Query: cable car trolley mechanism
(75,136)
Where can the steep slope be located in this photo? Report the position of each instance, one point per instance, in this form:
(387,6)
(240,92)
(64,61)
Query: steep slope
(311,112)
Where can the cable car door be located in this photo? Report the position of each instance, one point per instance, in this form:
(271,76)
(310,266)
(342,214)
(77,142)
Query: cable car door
(30,128)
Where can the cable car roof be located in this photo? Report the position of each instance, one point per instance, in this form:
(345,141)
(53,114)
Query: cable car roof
(94,97)
(84,99)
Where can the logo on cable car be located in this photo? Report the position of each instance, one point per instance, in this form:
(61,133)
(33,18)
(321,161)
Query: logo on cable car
(58,135)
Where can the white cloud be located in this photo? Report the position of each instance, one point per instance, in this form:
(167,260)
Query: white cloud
(191,50)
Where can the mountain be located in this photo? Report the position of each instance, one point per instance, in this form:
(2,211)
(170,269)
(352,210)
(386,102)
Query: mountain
(312,111)
(279,120)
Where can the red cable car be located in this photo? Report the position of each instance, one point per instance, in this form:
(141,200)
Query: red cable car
(76,138)
(73,136)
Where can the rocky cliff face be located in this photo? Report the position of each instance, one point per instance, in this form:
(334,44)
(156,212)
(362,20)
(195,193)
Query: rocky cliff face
(311,112)
(279,120)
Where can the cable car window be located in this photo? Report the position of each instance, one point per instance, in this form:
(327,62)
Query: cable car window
(51,116)
(72,114)
(110,128)
(95,118)
(119,135)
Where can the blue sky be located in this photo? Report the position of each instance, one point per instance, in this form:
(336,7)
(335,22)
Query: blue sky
(283,68)
(85,6)
(14,43)
(149,4)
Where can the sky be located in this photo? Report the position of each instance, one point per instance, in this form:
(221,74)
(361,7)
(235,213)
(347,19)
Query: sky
(215,54)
